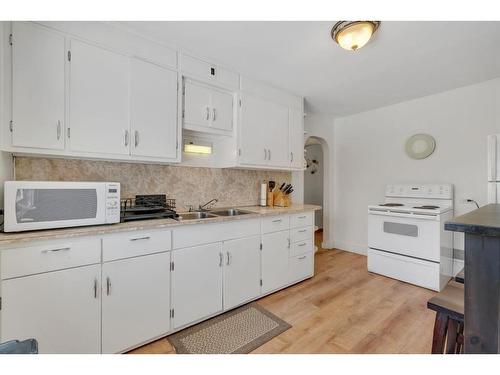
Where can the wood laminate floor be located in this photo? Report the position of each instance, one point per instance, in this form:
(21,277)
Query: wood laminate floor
(344,309)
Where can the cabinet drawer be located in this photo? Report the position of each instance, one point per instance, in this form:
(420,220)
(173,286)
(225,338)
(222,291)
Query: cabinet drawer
(275,224)
(49,257)
(131,244)
(300,267)
(301,247)
(301,234)
(304,219)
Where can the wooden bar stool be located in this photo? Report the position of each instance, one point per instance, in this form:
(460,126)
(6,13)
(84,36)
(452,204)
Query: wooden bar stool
(449,324)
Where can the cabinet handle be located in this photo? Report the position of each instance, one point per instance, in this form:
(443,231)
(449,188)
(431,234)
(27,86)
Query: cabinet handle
(291,156)
(269,151)
(302,244)
(302,217)
(214,114)
(228,258)
(56,250)
(136,138)
(303,231)
(126,138)
(289,242)
(302,257)
(140,238)
(108,286)
(208,113)
(277,221)
(265,154)
(221,257)
(95,287)
(58,129)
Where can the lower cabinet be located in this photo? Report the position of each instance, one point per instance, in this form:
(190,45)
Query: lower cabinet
(60,309)
(135,301)
(196,283)
(275,251)
(241,271)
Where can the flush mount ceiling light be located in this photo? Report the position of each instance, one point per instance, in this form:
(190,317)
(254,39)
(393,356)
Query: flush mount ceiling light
(352,35)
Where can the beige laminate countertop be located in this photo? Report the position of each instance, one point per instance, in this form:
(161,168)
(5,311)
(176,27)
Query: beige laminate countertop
(54,234)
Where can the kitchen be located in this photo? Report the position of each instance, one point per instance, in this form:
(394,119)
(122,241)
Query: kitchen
(153,185)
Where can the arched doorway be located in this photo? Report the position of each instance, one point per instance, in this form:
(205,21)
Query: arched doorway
(316,184)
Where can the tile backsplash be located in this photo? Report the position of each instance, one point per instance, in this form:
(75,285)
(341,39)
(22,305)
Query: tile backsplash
(188,185)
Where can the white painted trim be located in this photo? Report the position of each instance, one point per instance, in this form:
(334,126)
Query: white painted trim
(351,247)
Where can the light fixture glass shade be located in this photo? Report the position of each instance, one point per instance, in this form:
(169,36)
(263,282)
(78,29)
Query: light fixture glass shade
(354,34)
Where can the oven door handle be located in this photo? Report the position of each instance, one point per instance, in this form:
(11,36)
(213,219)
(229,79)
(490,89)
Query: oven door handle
(404,215)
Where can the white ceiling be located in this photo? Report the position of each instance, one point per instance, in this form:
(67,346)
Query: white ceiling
(404,60)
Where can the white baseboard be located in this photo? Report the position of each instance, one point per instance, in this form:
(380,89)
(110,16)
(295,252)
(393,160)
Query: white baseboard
(351,247)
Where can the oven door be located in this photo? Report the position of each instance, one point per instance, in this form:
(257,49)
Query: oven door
(417,236)
(31,205)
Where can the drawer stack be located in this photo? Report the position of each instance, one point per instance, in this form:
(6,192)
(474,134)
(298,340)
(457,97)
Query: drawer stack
(301,262)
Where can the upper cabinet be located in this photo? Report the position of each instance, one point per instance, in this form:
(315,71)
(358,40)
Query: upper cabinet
(270,128)
(153,100)
(263,133)
(38,57)
(99,100)
(207,109)
(296,121)
(93,90)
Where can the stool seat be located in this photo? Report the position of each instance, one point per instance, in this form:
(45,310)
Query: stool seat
(449,324)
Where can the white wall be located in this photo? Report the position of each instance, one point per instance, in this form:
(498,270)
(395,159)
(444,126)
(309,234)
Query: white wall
(369,153)
(5,158)
(313,183)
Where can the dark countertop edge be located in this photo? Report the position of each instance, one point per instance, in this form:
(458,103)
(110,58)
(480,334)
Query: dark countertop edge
(472,229)
(483,221)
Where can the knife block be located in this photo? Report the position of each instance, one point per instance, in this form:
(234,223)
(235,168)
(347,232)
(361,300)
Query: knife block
(280,199)
(270,198)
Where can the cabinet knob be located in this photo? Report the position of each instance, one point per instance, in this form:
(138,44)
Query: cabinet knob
(59,129)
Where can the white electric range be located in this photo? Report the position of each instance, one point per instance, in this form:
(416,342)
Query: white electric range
(406,236)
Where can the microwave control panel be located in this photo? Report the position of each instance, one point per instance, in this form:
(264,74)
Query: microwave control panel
(113,202)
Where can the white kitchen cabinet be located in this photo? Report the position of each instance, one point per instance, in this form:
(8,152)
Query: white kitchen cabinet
(153,100)
(241,271)
(196,283)
(275,254)
(60,309)
(135,301)
(99,100)
(207,108)
(264,135)
(38,58)
(296,127)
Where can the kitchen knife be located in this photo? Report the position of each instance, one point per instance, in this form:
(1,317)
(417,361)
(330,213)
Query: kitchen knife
(271,185)
(281,187)
(289,192)
(288,188)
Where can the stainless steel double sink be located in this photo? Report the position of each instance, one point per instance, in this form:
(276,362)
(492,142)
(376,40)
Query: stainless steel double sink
(198,215)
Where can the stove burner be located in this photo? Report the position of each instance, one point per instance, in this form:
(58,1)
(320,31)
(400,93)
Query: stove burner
(428,207)
(391,205)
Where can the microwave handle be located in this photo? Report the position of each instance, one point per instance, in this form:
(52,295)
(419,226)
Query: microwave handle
(397,214)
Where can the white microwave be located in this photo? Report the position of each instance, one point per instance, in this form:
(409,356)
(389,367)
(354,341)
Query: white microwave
(32,205)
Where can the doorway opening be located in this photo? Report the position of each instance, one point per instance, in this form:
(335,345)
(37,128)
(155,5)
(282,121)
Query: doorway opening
(315,180)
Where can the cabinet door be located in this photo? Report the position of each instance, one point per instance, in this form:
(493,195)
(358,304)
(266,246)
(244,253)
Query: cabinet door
(196,283)
(274,260)
(241,271)
(61,310)
(197,110)
(277,137)
(253,131)
(38,59)
(99,100)
(135,302)
(153,110)
(296,138)
(222,110)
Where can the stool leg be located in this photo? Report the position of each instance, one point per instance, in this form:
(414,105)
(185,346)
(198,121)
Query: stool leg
(440,327)
(451,341)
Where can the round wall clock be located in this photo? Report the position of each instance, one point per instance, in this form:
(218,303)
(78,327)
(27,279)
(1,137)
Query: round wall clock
(420,146)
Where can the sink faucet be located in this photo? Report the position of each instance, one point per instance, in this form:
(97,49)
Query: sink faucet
(203,207)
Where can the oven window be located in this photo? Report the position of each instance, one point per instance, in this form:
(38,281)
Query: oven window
(402,229)
(39,205)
